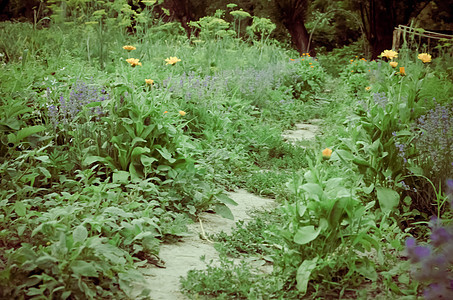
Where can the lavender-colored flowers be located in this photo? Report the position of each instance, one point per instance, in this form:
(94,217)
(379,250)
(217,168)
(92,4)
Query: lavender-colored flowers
(435,142)
(68,109)
(434,261)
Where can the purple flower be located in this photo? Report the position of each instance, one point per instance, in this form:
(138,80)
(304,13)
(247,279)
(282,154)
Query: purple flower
(416,253)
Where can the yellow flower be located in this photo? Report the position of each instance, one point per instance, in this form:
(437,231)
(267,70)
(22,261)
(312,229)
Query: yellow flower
(129,48)
(368,88)
(326,153)
(182,113)
(149,81)
(172,60)
(312,66)
(390,54)
(424,57)
(165,112)
(393,64)
(134,62)
(292,59)
(402,71)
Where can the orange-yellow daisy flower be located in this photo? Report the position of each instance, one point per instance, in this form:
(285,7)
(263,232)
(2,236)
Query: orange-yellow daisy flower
(393,64)
(129,48)
(390,54)
(424,57)
(172,60)
(134,62)
(326,153)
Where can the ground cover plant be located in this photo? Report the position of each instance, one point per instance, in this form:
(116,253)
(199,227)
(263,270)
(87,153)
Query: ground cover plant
(116,131)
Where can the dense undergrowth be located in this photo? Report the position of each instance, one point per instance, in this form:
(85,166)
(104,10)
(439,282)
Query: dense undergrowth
(104,157)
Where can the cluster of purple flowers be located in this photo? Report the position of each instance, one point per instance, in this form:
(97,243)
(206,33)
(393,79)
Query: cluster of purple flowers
(67,110)
(381,99)
(435,261)
(435,142)
(191,86)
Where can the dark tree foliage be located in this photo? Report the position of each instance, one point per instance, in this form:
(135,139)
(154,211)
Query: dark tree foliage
(185,11)
(380,17)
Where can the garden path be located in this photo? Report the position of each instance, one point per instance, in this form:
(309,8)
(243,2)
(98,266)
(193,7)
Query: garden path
(185,255)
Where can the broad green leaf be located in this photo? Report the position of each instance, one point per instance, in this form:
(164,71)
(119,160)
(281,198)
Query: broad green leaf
(306,234)
(20,209)
(225,199)
(118,211)
(139,151)
(167,155)
(314,190)
(388,198)
(80,234)
(83,268)
(303,274)
(301,209)
(26,132)
(45,172)
(147,161)
(224,211)
(120,177)
(91,159)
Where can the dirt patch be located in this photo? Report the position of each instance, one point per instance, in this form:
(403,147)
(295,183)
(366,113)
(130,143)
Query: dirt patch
(185,255)
(303,132)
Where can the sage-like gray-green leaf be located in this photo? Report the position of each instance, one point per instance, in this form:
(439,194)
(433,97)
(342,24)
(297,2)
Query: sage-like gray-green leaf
(303,274)
(80,234)
(388,198)
(306,234)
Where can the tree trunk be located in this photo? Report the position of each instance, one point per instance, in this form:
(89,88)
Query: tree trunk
(299,36)
(292,14)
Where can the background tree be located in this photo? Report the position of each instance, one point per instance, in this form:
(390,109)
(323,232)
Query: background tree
(380,17)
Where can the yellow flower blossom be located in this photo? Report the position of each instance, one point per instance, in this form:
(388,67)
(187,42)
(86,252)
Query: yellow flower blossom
(182,113)
(390,54)
(368,88)
(129,48)
(424,57)
(172,60)
(393,64)
(402,71)
(326,153)
(134,62)
(149,81)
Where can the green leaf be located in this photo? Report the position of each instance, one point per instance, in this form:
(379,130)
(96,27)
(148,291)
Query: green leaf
(20,209)
(388,198)
(80,234)
(314,190)
(306,234)
(139,151)
(167,155)
(82,268)
(118,211)
(303,274)
(45,172)
(225,199)
(147,161)
(224,211)
(361,162)
(120,177)
(26,132)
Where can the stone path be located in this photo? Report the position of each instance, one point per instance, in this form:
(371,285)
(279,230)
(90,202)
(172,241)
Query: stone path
(181,257)
(185,255)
